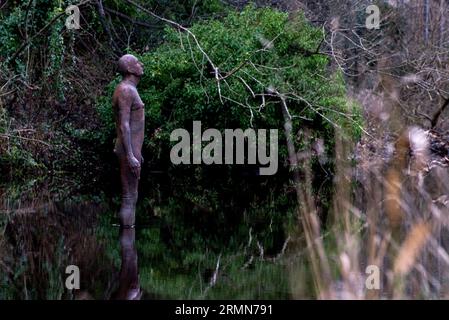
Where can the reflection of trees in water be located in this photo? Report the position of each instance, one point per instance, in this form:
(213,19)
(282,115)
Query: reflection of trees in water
(40,238)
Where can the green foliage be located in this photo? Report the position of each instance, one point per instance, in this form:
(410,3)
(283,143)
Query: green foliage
(13,152)
(9,39)
(33,33)
(42,152)
(176,92)
(48,86)
(262,49)
(184,12)
(181,11)
(57,52)
(57,234)
(169,273)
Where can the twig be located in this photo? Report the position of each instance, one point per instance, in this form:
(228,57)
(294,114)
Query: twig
(178,26)
(102,17)
(6,135)
(133,21)
(218,77)
(213,279)
(261,251)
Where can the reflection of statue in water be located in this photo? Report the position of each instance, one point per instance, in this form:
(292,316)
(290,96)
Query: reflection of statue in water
(129,288)
(130,125)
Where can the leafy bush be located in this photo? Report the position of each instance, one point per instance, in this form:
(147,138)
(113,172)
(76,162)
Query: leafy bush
(262,48)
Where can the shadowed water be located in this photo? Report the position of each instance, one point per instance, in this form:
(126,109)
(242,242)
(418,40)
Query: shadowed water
(43,231)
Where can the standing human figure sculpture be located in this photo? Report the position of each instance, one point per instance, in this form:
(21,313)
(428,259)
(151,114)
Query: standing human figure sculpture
(130,125)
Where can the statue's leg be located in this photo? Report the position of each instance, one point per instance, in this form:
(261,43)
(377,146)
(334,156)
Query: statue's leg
(129,194)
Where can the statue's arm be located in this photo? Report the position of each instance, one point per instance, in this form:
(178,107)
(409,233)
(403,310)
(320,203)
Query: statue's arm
(125,101)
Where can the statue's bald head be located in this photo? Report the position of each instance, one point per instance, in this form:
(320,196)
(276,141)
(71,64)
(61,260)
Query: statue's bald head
(129,64)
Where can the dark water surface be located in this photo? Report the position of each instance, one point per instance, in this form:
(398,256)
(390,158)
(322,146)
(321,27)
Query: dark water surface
(46,227)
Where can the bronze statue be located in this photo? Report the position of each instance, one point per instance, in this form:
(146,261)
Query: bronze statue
(130,125)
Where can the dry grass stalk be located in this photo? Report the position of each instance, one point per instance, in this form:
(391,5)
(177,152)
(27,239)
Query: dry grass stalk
(411,248)
(393,210)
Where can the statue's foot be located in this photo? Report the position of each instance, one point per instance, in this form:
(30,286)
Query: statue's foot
(134,294)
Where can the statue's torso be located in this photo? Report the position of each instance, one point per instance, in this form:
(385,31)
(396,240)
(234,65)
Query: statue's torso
(136,122)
